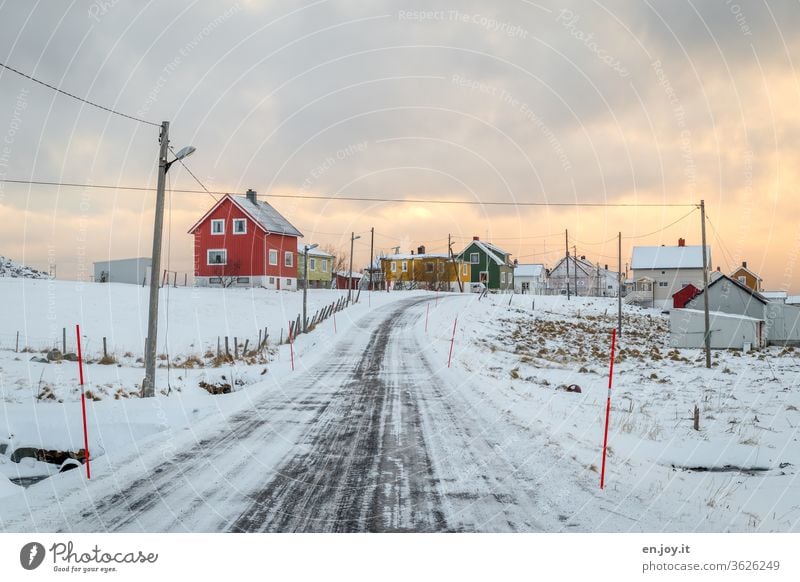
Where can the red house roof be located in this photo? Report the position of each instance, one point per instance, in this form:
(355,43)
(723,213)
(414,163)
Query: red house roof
(260,212)
(681,297)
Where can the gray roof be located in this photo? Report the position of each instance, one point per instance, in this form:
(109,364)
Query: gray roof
(267,216)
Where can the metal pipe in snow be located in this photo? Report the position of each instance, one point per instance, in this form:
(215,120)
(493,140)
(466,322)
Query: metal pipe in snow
(291,345)
(608,407)
(452,341)
(83,402)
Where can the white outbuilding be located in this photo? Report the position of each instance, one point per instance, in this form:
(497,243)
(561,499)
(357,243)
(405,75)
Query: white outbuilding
(728,331)
(132,271)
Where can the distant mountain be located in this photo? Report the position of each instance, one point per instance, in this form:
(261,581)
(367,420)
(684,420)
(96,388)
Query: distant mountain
(9,268)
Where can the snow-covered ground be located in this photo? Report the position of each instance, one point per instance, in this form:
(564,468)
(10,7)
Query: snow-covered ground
(737,473)
(492,443)
(40,400)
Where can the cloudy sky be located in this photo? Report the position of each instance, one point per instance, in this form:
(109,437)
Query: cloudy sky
(636,102)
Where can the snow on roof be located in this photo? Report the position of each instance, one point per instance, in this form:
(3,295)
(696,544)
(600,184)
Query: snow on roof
(409,256)
(775,294)
(528,270)
(688,257)
(267,216)
(491,251)
(317,252)
(719,314)
(793,299)
(356,274)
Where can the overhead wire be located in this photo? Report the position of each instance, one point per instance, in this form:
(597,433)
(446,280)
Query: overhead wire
(76,97)
(359,198)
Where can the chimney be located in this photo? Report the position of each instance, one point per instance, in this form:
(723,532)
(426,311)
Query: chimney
(681,242)
(583,257)
(476,238)
(412,251)
(744,264)
(421,250)
(606,267)
(251,195)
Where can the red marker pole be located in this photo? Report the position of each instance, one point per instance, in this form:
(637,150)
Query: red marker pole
(83,403)
(608,407)
(452,341)
(427,309)
(291,345)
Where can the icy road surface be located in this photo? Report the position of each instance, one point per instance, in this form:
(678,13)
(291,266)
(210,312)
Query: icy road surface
(377,436)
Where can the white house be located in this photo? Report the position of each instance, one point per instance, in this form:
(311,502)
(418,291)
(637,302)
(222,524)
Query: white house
(530,278)
(658,272)
(585,278)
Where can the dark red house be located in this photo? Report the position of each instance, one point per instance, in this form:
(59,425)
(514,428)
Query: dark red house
(681,297)
(245,242)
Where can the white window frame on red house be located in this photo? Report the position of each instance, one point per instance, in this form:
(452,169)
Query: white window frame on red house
(224,257)
(237,221)
(273,257)
(288,259)
(220,221)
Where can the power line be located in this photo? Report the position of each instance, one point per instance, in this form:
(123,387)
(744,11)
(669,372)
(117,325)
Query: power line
(661,229)
(81,99)
(196,179)
(362,198)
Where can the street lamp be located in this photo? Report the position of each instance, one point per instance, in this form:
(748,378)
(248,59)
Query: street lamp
(149,383)
(353,238)
(306,248)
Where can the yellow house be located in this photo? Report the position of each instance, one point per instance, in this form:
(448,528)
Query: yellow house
(425,271)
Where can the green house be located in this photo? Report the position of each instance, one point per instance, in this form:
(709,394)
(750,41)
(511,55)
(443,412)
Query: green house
(488,264)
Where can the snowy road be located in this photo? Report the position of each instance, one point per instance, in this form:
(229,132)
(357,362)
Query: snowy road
(377,437)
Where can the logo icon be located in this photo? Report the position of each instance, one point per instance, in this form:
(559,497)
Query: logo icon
(31,555)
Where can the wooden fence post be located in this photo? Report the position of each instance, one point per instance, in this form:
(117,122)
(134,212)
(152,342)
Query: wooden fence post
(16,349)
(227,349)
(105,350)
(235,348)
(63,340)
(244,349)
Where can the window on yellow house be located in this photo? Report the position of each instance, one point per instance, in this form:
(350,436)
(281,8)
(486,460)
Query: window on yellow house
(429,267)
(405,266)
(465,270)
(393,267)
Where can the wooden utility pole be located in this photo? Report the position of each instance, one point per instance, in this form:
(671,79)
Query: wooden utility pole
(566,244)
(371,257)
(148,385)
(455,266)
(707,334)
(619,285)
(575,270)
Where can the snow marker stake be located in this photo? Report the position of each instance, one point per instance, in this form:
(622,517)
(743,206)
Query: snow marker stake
(427,309)
(83,402)
(334,321)
(608,407)
(291,345)
(452,341)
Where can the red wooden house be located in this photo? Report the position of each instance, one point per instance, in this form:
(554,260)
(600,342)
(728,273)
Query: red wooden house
(242,241)
(682,296)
